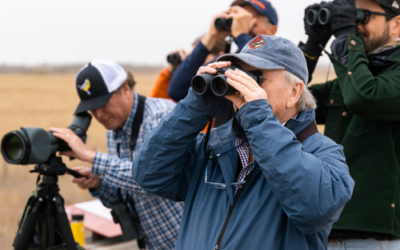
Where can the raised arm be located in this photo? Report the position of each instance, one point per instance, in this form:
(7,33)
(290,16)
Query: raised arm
(182,77)
(312,186)
(366,95)
(165,162)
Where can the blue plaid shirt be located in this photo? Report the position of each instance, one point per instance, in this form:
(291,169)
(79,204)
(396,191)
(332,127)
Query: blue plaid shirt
(159,217)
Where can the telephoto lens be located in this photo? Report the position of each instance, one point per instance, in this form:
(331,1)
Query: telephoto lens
(174,58)
(217,85)
(31,145)
(223,24)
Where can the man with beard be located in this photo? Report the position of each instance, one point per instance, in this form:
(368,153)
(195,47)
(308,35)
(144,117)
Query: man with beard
(361,111)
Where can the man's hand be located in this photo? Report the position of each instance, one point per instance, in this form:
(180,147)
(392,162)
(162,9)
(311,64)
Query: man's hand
(78,149)
(213,35)
(242,21)
(344,17)
(211,68)
(183,53)
(248,89)
(92,181)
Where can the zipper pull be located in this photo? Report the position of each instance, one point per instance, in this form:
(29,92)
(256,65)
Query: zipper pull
(216,247)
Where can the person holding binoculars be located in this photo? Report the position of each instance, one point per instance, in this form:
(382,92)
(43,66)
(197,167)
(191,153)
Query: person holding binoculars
(247,19)
(361,111)
(160,87)
(264,180)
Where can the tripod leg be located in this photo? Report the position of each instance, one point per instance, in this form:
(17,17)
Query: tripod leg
(63,223)
(51,227)
(24,237)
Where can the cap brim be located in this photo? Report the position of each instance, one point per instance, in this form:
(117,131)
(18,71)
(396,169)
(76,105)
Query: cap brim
(93,104)
(239,3)
(254,61)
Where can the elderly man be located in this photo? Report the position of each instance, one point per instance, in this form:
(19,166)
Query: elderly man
(264,180)
(107,91)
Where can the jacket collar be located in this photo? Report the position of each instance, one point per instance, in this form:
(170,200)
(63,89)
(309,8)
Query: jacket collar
(296,125)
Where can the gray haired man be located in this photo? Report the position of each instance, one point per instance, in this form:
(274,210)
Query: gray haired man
(264,180)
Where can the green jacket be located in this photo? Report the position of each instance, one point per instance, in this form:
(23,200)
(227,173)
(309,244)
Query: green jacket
(361,111)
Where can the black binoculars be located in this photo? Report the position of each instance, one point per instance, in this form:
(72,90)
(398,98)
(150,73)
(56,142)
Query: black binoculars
(208,84)
(223,24)
(174,58)
(324,16)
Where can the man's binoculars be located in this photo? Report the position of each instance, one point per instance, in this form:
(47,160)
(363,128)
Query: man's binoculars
(223,24)
(324,16)
(208,84)
(174,58)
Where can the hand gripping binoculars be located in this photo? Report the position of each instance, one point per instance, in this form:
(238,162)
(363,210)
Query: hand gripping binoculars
(324,16)
(209,84)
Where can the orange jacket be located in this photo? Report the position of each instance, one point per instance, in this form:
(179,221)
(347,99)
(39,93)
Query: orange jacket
(160,88)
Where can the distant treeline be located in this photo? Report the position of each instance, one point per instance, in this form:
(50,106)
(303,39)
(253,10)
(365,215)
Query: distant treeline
(72,68)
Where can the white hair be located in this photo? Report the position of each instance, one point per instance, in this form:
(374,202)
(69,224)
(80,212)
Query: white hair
(306,100)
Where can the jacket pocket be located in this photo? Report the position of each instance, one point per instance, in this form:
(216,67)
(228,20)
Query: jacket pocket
(333,106)
(359,125)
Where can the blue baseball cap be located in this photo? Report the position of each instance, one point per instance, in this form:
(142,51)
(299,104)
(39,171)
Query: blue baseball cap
(272,53)
(262,6)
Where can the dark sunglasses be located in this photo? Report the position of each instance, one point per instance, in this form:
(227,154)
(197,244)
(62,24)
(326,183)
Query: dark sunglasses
(363,16)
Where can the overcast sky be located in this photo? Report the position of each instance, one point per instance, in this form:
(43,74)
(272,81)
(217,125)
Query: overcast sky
(128,31)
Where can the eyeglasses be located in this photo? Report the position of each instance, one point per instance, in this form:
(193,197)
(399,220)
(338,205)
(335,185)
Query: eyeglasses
(223,185)
(363,16)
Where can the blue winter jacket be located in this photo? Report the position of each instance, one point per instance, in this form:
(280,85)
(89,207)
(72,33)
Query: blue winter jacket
(295,193)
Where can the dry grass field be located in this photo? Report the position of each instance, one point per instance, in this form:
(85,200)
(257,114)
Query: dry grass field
(48,100)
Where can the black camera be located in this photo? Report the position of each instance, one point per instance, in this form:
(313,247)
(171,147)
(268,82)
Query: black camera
(31,145)
(324,16)
(223,24)
(174,58)
(216,84)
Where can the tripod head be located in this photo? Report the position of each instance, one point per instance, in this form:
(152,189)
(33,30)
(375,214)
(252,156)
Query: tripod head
(54,166)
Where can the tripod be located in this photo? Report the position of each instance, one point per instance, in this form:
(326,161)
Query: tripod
(44,223)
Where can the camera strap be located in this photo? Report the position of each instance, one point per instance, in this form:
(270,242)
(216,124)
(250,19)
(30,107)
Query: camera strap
(211,158)
(137,121)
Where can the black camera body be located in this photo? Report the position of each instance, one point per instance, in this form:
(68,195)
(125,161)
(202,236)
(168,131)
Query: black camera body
(31,145)
(209,84)
(223,24)
(174,58)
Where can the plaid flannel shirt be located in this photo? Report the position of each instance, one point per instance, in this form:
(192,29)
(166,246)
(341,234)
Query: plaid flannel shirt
(159,217)
(244,150)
